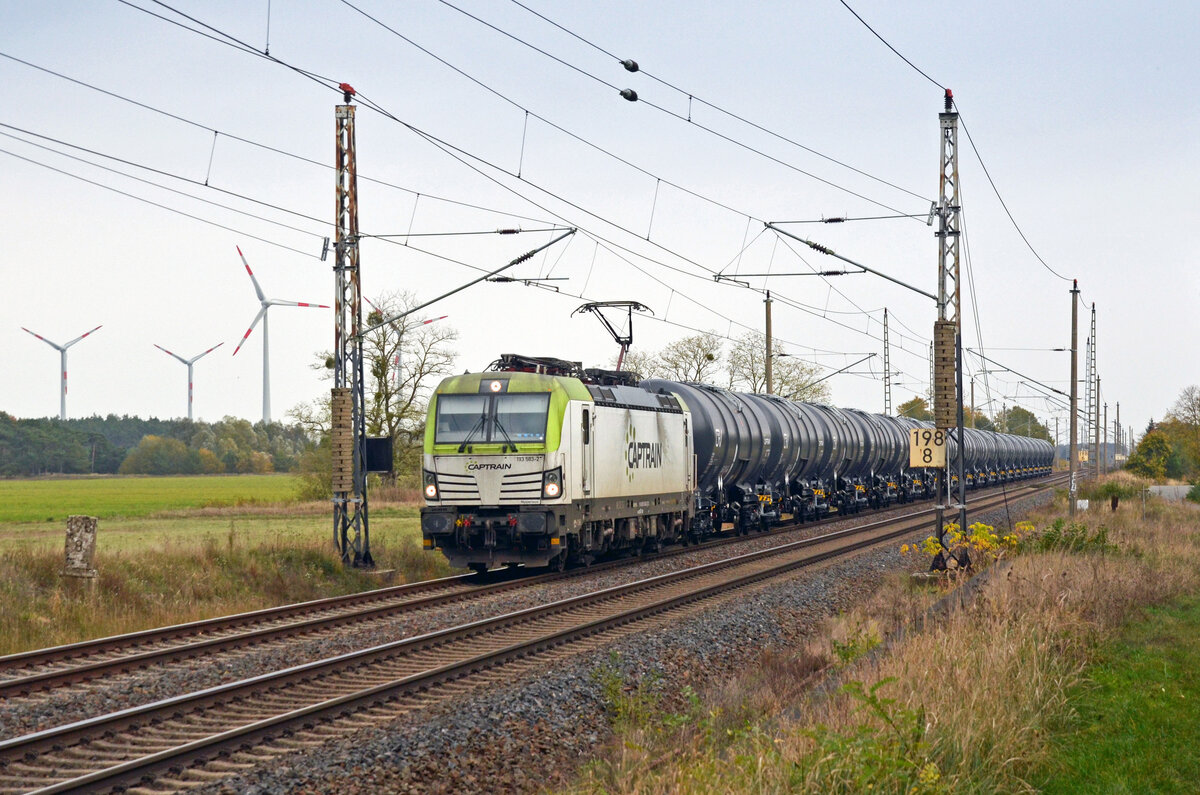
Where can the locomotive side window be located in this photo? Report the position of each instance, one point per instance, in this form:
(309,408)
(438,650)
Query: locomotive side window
(459,416)
(587,427)
(522,416)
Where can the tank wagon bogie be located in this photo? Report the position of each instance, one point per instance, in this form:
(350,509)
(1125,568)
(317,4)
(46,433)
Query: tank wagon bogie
(539,462)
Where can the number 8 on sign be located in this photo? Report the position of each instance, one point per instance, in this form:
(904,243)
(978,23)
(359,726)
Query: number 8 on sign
(926,447)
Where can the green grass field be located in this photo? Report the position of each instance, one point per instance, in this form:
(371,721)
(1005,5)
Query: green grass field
(174,549)
(53,499)
(1138,724)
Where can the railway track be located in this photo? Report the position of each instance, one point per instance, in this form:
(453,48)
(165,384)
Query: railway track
(59,666)
(205,736)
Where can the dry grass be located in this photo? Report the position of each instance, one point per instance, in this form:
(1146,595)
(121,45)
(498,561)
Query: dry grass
(172,571)
(965,706)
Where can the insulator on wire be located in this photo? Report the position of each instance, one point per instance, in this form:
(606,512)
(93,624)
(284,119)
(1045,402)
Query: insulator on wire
(630,65)
(629,94)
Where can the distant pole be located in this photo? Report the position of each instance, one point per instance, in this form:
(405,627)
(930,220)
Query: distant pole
(887,367)
(1096,428)
(972,401)
(1094,393)
(1120,437)
(770,344)
(1073,456)
(1104,447)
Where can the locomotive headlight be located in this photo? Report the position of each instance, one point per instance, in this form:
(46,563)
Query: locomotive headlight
(431,488)
(552,484)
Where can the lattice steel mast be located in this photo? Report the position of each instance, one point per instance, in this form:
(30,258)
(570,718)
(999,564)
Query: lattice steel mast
(351,531)
(947,331)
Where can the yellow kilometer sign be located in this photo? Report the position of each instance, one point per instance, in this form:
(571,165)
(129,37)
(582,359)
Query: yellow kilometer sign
(926,447)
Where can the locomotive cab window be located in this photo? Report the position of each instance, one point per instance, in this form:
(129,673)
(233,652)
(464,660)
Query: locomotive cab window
(522,416)
(483,419)
(459,416)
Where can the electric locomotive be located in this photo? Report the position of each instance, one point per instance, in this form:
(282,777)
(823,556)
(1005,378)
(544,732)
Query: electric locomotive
(540,463)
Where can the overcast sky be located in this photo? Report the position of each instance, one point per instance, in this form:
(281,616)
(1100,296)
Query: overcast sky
(1085,115)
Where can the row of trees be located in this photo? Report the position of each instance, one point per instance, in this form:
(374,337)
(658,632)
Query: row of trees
(1171,448)
(133,445)
(1011,419)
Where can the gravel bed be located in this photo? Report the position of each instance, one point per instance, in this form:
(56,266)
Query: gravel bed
(533,734)
(43,710)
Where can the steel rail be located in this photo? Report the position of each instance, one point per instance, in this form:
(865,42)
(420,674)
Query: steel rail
(28,747)
(377,603)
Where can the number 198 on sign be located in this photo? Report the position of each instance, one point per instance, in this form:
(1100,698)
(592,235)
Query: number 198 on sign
(926,447)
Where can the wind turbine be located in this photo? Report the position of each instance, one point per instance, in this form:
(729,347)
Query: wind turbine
(266,303)
(189,363)
(62,350)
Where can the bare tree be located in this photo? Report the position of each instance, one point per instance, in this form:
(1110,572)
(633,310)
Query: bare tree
(695,358)
(794,379)
(1187,407)
(402,360)
(791,376)
(644,363)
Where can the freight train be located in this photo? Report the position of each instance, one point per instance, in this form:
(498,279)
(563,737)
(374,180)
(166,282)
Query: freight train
(538,462)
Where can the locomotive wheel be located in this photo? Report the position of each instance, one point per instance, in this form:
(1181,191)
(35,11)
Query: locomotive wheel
(559,564)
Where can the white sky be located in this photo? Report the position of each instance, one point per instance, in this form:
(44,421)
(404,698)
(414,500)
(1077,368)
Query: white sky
(1085,114)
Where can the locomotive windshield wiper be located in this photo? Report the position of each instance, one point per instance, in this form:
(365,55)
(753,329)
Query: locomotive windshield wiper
(471,434)
(507,439)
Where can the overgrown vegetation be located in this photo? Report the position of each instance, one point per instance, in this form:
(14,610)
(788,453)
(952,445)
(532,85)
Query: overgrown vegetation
(182,569)
(975,702)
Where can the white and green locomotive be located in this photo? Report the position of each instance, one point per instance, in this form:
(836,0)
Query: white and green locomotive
(541,468)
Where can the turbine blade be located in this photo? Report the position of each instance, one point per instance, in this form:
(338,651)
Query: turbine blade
(432,320)
(54,345)
(207,352)
(257,318)
(164,350)
(275,302)
(257,289)
(81,336)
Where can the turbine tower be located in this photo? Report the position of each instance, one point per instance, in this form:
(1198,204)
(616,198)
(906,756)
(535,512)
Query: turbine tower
(189,363)
(266,303)
(62,350)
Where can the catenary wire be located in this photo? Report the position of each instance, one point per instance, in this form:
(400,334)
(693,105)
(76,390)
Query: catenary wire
(675,115)
(692,96)
(970,140)
(456,152)
(157,204)
(259,144)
